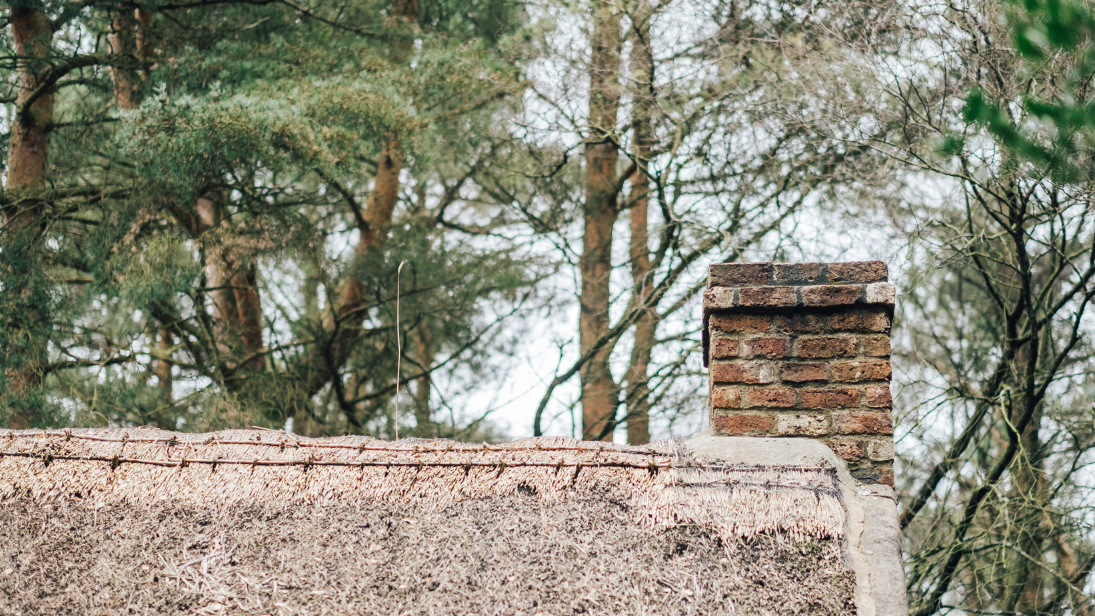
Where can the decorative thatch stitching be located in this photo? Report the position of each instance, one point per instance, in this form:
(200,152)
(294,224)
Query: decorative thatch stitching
(142,466)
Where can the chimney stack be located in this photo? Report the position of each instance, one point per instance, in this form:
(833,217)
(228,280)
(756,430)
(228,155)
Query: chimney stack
(802,350)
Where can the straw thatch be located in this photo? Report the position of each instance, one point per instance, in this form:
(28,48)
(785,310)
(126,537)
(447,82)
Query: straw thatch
(109,521)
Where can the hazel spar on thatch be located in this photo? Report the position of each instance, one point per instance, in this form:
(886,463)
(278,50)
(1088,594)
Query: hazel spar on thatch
(142,466)
(263,522)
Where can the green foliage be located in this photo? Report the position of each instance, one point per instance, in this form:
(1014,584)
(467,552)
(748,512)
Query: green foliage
(275,119)
(1056,130)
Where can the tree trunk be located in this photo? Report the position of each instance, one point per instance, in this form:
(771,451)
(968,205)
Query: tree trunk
(245,287)
(638,390)
(343,323)
(21,233)
(162,367)
(379,209)
(129,36)
(29,132)
(218,278)
(1030,499)
(600,394)
(323,362)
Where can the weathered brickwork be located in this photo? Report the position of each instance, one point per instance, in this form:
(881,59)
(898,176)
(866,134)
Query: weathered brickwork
(803,350)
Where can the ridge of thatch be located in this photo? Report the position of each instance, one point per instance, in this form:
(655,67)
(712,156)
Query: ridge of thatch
(144,521)
(142,466)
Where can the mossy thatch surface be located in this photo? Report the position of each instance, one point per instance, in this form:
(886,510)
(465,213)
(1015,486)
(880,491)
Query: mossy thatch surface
(547,526)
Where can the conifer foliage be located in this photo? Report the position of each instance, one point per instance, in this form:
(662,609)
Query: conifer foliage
(205,203)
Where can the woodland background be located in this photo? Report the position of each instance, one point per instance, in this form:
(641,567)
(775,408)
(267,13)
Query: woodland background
(206,204)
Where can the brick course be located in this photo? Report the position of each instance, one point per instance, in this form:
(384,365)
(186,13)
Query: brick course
(858,371)
(861,271)
(831,295)
(852,422)
(871,321)
(742,424)
(737,323)
(796,272)
(736,274)
(765,347)
(726,397)
(743,372)
(801,350)
(802,425)
(876,346)
(773,397)
(767,296)
(879,397)
(802,373)
(825,348)
(724,348)
(837,397)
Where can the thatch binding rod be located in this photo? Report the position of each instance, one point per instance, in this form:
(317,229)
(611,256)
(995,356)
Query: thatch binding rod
(297,444)
(116,460)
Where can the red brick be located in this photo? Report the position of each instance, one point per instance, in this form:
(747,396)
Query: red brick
(847,448)
(886,475)
(740,323)
(796,272)
(765,347)
(726,398)
(879,397)
(746,372)
(802,323)
(767,296)
(825,347)
(876,346)
(858,271)
(858,371)
(867,321)
(801,373)
(737,274)
(839,397)
(724,348)
(742,424)
(801,425)
(773,397)
(831,295)
(859,422)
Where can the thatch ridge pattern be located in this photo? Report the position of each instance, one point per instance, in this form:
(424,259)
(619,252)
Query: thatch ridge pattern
(140,466)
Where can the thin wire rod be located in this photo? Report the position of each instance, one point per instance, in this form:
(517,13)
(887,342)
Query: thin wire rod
(182,462)
(296,444)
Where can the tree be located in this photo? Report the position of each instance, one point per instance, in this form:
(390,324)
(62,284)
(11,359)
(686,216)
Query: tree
(996,223)
(28,151)
(697,126)
(211,167)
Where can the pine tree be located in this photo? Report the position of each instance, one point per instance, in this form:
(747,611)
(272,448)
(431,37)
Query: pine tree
(203,221)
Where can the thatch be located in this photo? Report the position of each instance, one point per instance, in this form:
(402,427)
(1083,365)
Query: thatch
(157,521)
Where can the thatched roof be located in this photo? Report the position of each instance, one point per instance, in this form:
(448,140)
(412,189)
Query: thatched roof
(263,522)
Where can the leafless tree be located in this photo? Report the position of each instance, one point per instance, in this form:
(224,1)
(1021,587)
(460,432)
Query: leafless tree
(687,128)
(995,331)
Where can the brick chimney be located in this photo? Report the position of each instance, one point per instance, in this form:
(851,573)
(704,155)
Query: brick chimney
(802,350)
